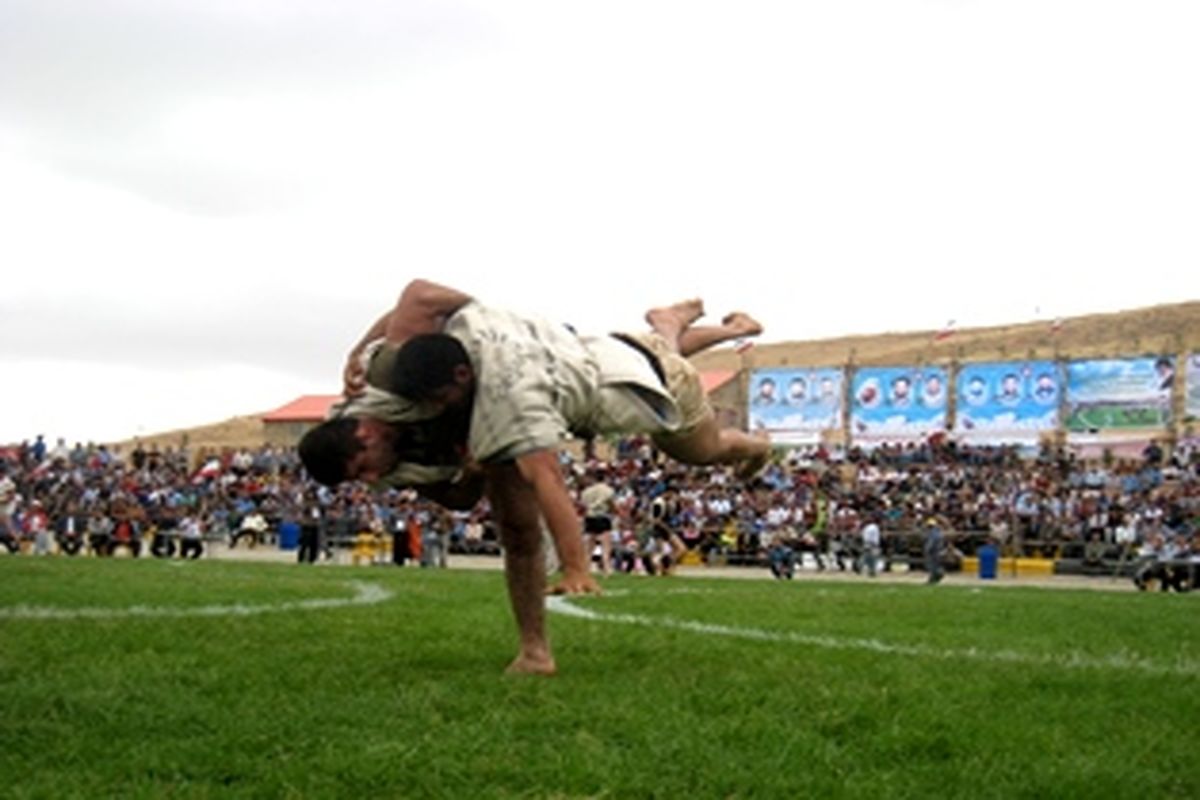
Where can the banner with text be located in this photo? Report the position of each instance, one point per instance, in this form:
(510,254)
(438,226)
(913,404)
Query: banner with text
(897,404)
(1007,402)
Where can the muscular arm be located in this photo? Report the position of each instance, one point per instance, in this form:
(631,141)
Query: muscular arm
(541,471)
(422,308)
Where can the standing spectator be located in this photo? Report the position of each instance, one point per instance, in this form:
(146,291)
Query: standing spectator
(415,526)
(310,532)
(401,552)
(871,544)
(37,450)
(597,499)
(434,540)
(934,544)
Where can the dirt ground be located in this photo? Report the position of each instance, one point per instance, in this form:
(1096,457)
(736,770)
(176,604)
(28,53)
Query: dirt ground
(271,554)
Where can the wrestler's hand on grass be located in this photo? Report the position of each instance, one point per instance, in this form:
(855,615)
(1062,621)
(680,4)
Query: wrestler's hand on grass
(573,582)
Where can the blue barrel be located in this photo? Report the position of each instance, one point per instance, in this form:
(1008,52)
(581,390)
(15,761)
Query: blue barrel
(989,560)
(289,535)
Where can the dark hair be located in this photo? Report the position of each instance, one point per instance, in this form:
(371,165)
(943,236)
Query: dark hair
(425,364)
(326,449)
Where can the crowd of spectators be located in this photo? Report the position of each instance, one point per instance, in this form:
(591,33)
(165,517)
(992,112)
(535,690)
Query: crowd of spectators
(810,503)
(816,505)
(96,499)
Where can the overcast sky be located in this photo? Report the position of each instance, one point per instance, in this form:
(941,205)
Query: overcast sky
(205,202)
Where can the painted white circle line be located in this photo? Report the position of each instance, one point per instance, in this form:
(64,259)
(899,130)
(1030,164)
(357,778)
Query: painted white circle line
(364,594)
(1123,661)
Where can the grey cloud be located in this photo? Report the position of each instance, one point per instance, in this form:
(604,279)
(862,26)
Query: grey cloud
(89,81)
(287,332)
(190,186)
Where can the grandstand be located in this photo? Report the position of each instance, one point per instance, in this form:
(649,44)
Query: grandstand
(822,490)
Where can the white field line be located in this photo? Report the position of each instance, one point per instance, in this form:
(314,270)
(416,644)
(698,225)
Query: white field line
(1123,661)
(364,594)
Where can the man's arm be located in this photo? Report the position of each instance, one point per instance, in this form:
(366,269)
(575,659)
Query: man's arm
(422,308)
(541,471)
(460,495)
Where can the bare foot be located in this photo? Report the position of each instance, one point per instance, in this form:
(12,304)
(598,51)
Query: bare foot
(532,665)
(742,324)
(680,314)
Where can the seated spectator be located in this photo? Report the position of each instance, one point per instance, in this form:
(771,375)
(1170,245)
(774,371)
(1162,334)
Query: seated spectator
(1094,551)
(625,552)
(99,533)
(1151,562)
(253,526)
(162,530)
(782,560)
(191,536)
(125,533)
(1180,571)
(70,528)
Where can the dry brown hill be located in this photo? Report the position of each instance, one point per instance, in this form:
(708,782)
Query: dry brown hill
(1154,330)
(236,432)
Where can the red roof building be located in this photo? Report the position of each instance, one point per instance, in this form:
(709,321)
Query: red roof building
(306,408)
(286,424)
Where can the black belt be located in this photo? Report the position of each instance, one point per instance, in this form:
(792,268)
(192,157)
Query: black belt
(655,364)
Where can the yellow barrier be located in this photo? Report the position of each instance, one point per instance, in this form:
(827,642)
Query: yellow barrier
(1024,567)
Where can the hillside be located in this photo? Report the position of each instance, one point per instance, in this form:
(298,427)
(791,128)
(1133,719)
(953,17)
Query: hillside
(236,432)
(1158,329)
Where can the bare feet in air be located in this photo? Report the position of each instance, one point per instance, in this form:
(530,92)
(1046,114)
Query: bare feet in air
(678,315)
(742,324)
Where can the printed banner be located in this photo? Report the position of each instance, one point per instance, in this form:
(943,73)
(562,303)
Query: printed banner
(1128,395)
(1007,402)
(1191,406)
(786,402)
(897,404)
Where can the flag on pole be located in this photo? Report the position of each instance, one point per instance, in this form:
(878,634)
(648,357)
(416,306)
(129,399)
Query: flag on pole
(945,333)
(743,346)
(1056,326)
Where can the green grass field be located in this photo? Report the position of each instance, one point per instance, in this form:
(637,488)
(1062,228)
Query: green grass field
(122,678)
